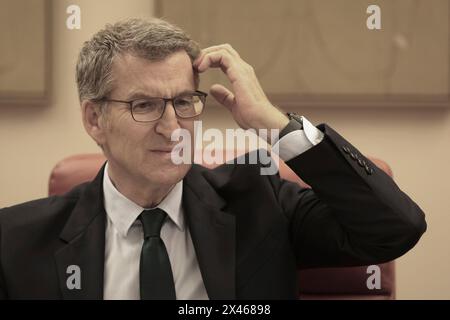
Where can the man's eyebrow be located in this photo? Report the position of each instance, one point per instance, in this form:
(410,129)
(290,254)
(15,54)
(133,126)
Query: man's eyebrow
(146,95)
(139,95)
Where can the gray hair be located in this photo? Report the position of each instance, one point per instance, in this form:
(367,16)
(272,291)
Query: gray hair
(153,39)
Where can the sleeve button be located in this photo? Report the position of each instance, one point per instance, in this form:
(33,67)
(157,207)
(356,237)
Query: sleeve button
(346,149)
(368,170)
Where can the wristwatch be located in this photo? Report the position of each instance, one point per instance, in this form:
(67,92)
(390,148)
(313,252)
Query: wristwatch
(296,117)
(295,123)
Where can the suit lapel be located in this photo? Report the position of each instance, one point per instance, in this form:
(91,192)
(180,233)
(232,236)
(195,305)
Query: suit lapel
(212,229)
(213,233)
(80,261)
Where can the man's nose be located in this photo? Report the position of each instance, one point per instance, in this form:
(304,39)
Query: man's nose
(168,121)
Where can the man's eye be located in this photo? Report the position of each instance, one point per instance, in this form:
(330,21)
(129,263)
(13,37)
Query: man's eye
(185,102)
(146,105)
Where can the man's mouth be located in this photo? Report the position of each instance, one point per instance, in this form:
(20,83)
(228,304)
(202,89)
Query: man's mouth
(165,152)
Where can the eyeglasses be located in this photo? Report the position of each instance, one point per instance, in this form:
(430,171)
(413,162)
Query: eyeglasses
(187,105)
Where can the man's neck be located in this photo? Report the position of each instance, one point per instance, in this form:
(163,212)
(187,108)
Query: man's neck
(141,192)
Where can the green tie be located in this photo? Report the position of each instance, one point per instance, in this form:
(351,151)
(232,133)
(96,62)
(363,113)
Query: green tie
(155,275)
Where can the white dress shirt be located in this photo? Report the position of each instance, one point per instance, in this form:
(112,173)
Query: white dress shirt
(298,141)
(124,235)
(124,239)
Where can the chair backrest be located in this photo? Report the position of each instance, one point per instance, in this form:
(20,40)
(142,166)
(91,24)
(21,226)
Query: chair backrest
(324,283)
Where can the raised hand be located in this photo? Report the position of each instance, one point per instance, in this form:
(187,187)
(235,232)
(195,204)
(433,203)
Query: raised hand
(248,103)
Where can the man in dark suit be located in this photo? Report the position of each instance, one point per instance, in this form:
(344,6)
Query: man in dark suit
(147,228)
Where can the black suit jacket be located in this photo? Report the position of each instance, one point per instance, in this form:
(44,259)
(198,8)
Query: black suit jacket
(250,231)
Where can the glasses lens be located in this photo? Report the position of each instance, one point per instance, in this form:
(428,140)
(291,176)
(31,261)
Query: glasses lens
(189,106)
(147,110)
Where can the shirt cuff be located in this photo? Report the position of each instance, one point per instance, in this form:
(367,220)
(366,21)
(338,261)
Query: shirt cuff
(296,142)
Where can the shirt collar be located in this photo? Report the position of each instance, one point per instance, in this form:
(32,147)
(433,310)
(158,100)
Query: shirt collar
(123,212)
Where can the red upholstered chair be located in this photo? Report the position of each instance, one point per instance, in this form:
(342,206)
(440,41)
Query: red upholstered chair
(324,283)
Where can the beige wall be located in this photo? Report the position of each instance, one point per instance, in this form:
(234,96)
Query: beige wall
(34,138)
(415,142)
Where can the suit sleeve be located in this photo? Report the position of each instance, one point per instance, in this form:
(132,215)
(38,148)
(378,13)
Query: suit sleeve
(354,214)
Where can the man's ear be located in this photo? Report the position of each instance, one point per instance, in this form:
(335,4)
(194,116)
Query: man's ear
(94,120)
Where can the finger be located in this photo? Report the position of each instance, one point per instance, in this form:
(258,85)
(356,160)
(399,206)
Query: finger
(223,47)
(220,59)
(223,96)
(214,55)
(227,47)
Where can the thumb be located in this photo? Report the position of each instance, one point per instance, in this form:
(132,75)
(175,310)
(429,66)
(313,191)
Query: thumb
(223,96)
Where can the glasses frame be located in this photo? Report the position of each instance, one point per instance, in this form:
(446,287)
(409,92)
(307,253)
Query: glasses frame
(202,95)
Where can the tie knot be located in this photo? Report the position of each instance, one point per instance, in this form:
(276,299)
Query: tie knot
(152,221)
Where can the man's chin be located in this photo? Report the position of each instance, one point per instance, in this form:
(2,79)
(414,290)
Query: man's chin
(168,174)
